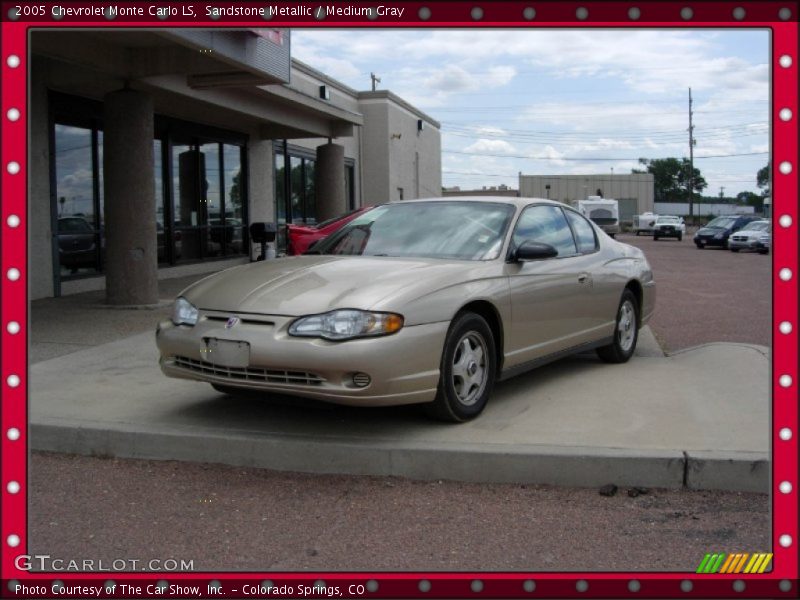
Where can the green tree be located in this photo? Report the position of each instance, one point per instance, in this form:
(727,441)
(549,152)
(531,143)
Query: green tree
(751,199)
(762,180)
(671,178)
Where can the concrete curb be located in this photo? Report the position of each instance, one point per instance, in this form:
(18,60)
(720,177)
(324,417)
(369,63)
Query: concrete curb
(481,463)
(717,471)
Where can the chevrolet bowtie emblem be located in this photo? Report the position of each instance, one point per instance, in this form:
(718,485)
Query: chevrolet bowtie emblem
(232,322)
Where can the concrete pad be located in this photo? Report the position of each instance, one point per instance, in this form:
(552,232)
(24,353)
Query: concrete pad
(576,422)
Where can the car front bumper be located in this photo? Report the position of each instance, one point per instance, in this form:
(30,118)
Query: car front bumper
(403,368)
(711,241)
(742,245)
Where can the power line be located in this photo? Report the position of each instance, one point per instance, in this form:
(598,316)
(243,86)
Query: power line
(584,158)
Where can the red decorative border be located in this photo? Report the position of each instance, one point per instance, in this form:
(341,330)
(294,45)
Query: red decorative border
(781,582)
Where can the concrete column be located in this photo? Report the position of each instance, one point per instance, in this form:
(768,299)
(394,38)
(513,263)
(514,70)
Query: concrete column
(131,260)
(329,184)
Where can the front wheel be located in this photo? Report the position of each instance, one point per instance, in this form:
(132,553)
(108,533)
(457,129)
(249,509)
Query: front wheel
(655,238)
(680,237)
(734,249)
(699,245)
(626,332)
(467,370)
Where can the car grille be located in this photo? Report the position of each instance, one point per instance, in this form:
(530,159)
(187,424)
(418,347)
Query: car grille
(739,238)
(249,373)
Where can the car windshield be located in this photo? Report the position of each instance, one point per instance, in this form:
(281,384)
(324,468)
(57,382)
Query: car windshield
(669,220)
(74,225)
(756,226)
(441,229)
(721,222)
(327,222)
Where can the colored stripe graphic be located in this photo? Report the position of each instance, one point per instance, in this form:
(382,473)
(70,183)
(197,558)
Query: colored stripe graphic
(739,562)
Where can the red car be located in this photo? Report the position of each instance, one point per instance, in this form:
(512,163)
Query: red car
(300,237)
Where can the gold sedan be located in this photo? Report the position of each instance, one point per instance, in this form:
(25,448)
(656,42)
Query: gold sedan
(425,301)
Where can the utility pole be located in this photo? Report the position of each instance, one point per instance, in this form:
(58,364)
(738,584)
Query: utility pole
(721,192)
(691,158)
(375,81)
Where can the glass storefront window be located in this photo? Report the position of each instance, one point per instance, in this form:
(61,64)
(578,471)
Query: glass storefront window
(234,199)
(77,235)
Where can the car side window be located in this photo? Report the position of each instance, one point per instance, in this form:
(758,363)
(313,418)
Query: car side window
(584,232)
(545,224)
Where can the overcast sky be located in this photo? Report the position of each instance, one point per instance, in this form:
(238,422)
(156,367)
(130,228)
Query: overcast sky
(534,101)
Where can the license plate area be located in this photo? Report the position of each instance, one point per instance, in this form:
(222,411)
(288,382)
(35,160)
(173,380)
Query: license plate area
(226,353)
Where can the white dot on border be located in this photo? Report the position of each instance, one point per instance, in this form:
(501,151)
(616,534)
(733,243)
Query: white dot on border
(739,586)
(634,13)
(785,114)
(785,61)
(785,540)
(785,274)
(634,586)
(13,434)
(529,585)
(582,585)
(13,274)
(13,487)
(424,586)
(13,328)
(12,221)
(686,586)
(13,61)
(13,540)
(12,381)
(529,13)
(372,585)
(739,13)
(13,167)
(582,13)
(785,328)
(785,487)
(12,114)
(785,585)
(686,13)
(476,586)
(785,381)
(476,13)
(785,167)
(785,434)
(785,221)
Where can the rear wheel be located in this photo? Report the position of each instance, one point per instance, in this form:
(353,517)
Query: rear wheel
(699,245)
(467,370)
(626,332)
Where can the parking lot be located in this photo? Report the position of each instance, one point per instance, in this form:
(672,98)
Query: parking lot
(709,295)
(228,517)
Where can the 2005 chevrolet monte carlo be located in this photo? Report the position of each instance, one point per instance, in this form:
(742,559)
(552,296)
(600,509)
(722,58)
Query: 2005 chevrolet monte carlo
(419,301)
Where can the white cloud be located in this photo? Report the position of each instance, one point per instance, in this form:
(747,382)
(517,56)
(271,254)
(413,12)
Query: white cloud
(491,147)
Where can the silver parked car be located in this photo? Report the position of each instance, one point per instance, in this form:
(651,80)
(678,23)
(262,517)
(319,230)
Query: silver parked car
(424,301)
(749,236)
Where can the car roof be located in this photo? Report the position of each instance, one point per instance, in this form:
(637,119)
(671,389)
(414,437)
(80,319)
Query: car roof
(515,200)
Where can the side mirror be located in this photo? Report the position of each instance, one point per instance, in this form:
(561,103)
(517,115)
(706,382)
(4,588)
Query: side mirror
(530,250)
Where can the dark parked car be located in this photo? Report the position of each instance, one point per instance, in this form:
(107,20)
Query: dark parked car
(76,243)
(717,232)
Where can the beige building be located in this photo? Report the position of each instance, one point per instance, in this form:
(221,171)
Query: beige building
(635,192)
(152,151)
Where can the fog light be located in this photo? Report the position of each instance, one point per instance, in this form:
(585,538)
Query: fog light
(361,379)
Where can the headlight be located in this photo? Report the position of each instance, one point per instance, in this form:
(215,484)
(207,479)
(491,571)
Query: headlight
(719,236)
(346,324)
(184,312)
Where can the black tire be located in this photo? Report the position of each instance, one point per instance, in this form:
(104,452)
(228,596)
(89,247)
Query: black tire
(734,249)
(699,245)
(626,331)
(469,352)
(637,233)
(680,237)
(763,251)
(655,238)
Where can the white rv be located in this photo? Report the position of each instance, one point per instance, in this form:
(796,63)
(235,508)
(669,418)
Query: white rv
(644,223)
(603,211)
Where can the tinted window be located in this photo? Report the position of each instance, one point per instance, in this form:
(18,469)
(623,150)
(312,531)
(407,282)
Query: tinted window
(584,233)
(545,224)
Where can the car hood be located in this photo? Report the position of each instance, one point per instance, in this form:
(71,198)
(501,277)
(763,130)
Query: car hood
(305,285)
(711,230)
(749,234)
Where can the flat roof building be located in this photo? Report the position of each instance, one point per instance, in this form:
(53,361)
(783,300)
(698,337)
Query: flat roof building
(151,152)
(635,192)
